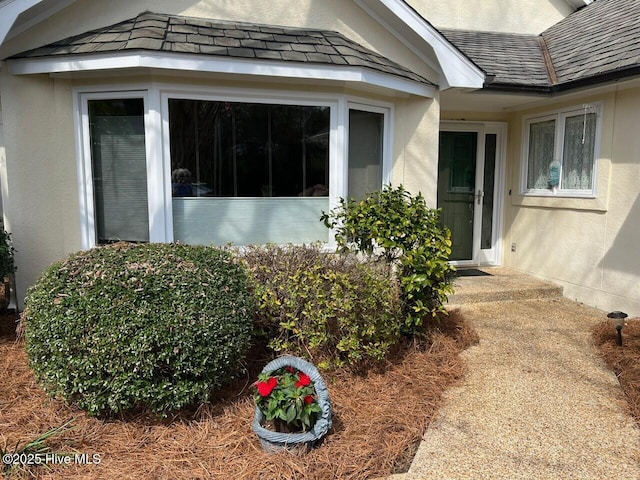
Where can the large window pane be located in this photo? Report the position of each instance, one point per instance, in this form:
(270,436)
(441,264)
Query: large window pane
(579,149)
(118,158)
(250,155)
(541,151)
(365,152)
(249,220)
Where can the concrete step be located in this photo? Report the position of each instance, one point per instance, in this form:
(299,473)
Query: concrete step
(501,284)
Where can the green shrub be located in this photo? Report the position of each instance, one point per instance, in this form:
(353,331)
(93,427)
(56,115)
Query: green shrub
(127,326)
(331,307)
(7,265)
(400,228)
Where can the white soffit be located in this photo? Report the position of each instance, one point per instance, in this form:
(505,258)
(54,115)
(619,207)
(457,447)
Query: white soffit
(10,10)
(225,65)
(16,16)
(406,24)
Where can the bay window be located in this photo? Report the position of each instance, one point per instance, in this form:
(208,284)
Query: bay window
(229,168)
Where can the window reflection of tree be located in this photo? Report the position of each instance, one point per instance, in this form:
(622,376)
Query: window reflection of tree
(249,150)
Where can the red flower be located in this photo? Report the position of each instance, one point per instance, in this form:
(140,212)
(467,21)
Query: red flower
(303,380)
(308,399)
(290,369)
(265,388)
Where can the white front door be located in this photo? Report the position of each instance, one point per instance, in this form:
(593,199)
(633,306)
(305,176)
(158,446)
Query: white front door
(470,167)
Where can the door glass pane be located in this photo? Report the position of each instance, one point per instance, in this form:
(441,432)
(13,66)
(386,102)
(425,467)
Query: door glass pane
(541,150)
(486,238)
(248,173)
(365,152)
(456,186)
(118,155)
(579,147)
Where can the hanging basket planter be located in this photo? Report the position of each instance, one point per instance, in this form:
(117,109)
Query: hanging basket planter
(273,441)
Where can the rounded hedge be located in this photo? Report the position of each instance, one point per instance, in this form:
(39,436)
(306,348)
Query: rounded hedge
(157,326)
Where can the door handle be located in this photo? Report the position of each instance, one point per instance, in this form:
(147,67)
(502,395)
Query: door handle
(479,195)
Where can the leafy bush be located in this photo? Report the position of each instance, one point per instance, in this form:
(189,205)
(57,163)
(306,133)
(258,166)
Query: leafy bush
(127,326)
(7,265)
(400,228)
(332,307)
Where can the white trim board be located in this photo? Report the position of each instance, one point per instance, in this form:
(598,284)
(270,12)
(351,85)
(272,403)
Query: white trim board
(225,65)
(407,25)
(10,10)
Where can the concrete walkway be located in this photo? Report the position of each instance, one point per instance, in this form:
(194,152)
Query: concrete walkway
(536,403)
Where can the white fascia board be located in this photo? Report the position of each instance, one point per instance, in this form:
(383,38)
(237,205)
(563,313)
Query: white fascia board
(457,69)
(10,10)
(227,65)
(52,8)
(579,3)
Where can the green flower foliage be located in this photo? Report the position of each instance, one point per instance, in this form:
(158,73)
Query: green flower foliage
(400,228)
(334,308)
(287,398)
(125,326)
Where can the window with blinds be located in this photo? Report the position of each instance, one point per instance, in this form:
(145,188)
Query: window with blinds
(366,133)
(118,155)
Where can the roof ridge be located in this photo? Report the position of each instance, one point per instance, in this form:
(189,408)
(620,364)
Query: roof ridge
(548,62)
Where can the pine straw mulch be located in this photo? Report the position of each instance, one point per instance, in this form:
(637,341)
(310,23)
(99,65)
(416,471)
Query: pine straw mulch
(625,360)
(379,418)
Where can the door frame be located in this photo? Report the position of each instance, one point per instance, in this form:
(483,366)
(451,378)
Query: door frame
(492,257)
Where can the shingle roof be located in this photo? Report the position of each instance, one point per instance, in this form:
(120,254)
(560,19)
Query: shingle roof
(600,39)
(170,33)
(511,58)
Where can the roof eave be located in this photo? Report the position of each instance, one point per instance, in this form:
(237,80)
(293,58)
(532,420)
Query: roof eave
(592,81)
(13,22)
(349,74)
(9,13)
(457,69)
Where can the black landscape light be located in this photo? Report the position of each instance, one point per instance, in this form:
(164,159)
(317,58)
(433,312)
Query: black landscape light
(618,321)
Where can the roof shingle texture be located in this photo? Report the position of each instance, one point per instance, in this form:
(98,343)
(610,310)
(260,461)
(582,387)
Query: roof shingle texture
(511,58)
(601,38)
(168,33)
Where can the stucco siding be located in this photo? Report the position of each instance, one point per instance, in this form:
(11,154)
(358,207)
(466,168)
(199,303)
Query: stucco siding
(416,147)
(39,174)
(590,246)
(621,260)
(512,16)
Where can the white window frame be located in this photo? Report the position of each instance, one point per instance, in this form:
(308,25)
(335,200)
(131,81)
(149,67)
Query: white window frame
(243,96)
(85,161)
(560,117)
(386,110)
(156,104)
